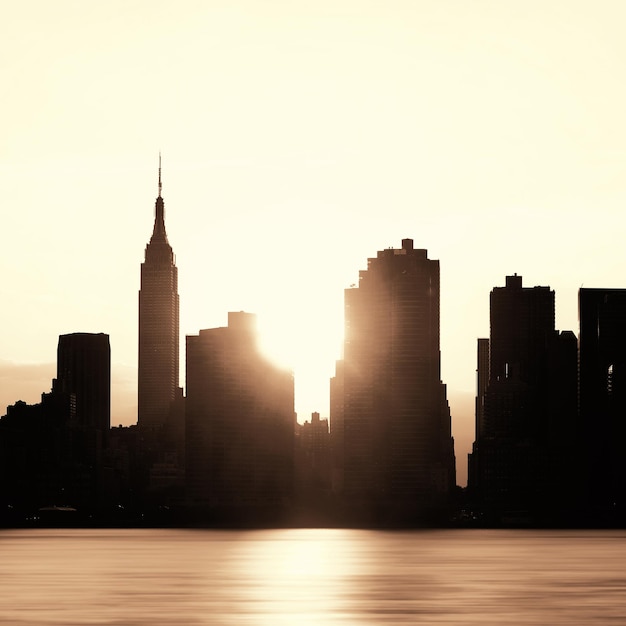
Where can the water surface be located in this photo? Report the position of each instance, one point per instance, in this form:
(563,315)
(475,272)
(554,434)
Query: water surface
(311,576)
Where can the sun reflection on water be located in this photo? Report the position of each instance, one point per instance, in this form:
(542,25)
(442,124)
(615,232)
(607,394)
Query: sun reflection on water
(284,575)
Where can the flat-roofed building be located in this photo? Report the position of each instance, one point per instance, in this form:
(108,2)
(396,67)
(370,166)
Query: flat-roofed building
(240,420)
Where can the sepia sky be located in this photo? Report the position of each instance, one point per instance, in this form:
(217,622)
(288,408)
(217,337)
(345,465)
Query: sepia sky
(298,139)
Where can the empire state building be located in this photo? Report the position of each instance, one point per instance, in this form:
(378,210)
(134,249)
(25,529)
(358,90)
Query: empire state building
(158,327)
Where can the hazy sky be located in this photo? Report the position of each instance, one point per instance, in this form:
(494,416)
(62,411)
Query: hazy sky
(299,138)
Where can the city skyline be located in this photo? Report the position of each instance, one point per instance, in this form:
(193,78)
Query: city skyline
(296,140)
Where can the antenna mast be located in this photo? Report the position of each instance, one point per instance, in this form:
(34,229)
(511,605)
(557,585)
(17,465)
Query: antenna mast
(160,185)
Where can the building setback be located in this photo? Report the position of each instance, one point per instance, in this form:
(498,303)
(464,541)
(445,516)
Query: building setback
(398,452)
(240,421)
(158,373)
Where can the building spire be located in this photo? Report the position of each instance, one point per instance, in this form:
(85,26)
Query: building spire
(158,233)
(160,185)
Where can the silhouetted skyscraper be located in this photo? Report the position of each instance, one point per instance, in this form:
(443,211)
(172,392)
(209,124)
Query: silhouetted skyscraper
(313,445)
(240,420)
(84,371)
(84,377)
(522,458)
(158,328)
(602,389)
(482,382)
(398,453)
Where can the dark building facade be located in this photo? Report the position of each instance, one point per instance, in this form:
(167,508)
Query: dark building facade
(602,392)
(523,456)
(482,383)
(158,373)
(52,452)
(240,421)
(314,504)
(314,456)
(84,375)
(398,452)
(37,457)
(84,371)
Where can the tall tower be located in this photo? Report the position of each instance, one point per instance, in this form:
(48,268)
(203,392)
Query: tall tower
(522,457)
(158,327)
(398,452)
(83,382)
(84,370)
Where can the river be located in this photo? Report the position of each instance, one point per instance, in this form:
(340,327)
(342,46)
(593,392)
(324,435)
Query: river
(148,577)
